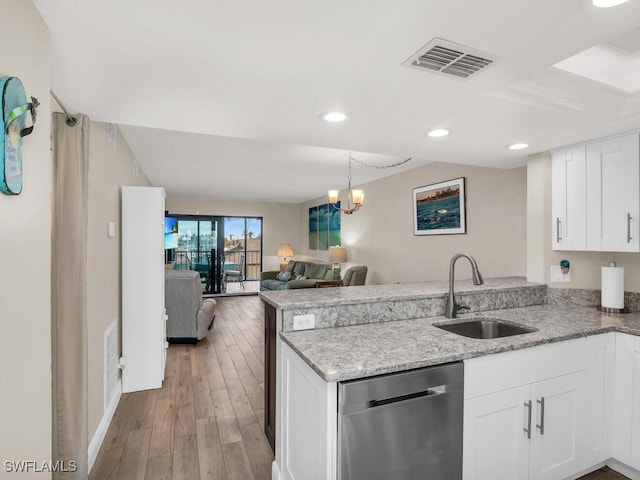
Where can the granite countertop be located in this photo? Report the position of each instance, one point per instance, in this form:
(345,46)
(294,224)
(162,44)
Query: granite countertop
(323,297)
(346,353)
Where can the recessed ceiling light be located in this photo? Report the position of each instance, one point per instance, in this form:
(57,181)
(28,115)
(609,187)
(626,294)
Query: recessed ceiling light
(608,3)
(438,132)
(518,146)
(334,117)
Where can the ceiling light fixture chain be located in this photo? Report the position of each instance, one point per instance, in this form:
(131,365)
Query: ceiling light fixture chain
(356,196)
(379,167)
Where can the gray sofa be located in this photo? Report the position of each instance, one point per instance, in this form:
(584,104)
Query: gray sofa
(190,317)
(313,272)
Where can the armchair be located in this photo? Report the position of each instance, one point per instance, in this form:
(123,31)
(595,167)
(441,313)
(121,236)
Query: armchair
(190,317)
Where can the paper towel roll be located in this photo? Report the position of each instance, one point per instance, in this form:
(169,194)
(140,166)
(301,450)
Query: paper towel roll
(612,295)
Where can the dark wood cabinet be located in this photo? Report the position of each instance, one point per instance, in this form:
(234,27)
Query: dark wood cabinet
(270,374)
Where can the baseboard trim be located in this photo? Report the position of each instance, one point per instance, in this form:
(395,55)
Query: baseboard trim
(275,471)
(103,426)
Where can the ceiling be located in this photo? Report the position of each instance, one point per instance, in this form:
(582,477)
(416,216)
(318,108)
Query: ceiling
(224,99)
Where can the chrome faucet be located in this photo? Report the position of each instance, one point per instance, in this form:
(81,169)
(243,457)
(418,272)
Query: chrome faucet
(452,307)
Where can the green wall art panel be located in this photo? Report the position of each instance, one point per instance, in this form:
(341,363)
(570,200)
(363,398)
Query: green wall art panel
(324,226)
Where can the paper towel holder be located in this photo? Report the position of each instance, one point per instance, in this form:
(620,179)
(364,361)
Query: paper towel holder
(613,310)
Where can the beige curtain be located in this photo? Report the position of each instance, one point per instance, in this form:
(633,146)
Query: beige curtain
(69,295)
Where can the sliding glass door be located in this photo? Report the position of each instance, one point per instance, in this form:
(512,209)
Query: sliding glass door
(225,251)
(243,251)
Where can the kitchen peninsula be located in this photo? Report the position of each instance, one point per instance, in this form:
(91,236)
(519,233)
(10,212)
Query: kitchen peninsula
(390,328)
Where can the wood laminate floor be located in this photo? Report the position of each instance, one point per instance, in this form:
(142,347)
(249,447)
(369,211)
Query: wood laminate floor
(207,420)
(604,473)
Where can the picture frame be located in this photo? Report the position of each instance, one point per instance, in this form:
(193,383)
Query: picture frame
(440,208)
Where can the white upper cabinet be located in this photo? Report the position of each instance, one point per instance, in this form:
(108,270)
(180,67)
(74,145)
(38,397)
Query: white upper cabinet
(568,174)
(596,196)
(613,200)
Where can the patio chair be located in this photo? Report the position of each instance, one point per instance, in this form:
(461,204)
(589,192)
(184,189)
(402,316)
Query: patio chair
(235,275)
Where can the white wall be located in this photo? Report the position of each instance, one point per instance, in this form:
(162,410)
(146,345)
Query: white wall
(585,266)
(380,235)
(109,168)
(280,220)
(25,242)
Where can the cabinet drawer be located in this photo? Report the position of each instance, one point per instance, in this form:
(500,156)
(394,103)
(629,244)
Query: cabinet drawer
(502,371)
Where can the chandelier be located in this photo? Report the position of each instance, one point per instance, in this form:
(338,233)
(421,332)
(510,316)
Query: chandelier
(355,197)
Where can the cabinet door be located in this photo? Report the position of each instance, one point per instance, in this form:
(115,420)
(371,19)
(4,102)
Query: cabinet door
(568,199)
(598,423)
(308,415)
(496,443)
(613,203)
(635,411)
(557,449)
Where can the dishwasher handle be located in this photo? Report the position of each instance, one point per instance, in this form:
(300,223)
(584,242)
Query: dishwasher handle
(439,390)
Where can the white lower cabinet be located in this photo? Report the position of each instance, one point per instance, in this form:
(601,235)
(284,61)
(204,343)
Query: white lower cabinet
(600,377)
(534,431)
(539,413)
(547,412)
(635,409)
(307,409)
(626,439)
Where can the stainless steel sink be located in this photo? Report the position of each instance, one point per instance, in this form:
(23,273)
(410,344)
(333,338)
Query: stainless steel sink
(485,328)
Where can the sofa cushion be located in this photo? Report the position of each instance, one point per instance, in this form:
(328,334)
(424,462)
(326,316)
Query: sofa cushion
(273,285)
(315,270)
(295,266)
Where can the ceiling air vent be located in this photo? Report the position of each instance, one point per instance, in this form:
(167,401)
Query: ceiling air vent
(448,58)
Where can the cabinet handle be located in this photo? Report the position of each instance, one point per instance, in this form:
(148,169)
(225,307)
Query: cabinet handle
(629,228)
(541,426)
(558,222)
(527,429)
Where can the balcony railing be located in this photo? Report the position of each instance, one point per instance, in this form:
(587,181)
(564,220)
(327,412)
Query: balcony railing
(200,260)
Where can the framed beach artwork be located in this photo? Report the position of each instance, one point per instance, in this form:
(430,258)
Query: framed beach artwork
(439,209)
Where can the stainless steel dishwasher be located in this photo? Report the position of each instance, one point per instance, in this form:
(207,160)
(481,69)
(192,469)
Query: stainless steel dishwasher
(402,426)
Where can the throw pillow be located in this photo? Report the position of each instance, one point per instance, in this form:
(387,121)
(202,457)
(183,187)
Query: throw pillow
(291,266)
(301,277)
(284,276)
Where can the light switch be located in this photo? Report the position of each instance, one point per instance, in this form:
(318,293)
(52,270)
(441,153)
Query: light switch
(111,229)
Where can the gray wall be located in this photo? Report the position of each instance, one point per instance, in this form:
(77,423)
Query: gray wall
(109,168)
(25,275)
(380,235)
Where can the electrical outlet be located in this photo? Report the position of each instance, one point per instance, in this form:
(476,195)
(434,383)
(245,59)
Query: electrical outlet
(304,322)
(558,276)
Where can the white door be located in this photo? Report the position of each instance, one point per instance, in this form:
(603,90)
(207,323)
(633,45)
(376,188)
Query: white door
(142,288)
(568,199)
(496,442)
(557,439)
(613,202)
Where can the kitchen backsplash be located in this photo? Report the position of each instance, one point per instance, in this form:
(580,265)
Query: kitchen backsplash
(588,298)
